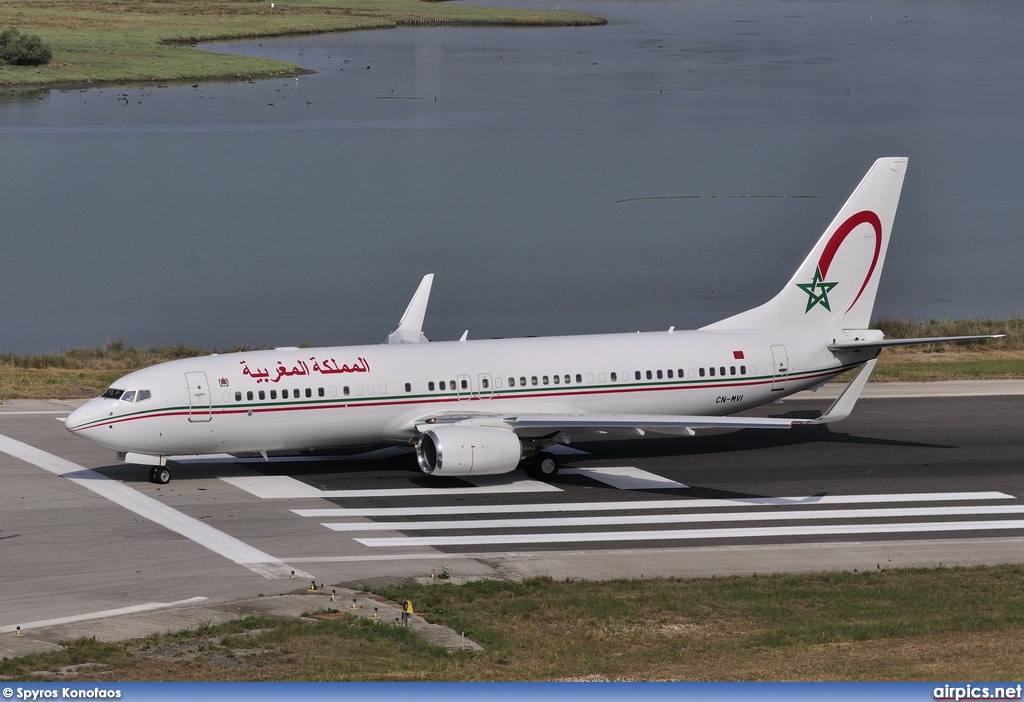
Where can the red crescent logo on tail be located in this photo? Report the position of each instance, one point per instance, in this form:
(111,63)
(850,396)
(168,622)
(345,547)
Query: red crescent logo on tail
(837,239)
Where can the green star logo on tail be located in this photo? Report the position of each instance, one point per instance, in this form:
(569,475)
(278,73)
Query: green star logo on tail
(817,291)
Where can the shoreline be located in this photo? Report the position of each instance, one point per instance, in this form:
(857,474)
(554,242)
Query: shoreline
(95,46)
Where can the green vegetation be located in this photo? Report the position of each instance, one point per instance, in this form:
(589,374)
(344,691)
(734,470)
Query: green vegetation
(80,372)
(76,373)
(912,624)
(153,40)
(20,49)
(972,360)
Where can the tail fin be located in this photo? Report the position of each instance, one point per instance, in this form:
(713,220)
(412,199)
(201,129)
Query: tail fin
(835,286)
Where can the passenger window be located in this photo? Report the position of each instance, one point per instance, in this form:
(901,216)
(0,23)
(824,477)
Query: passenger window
(649,376)
(484,383)
(701,372)
(442,385)
(263,395)
(248,395)
(522,380)
(659,375)
(743,370)
(430,386)
(309,392)
(732,370)
(545,380)
(637,375)
(238,396)
(345,391)
(722,370)
(555,379)
(408,387)
(533,380)
(320,392)
(284,394)
(669,372)
(273,394)
(464,384)
(614,377)
(511,382)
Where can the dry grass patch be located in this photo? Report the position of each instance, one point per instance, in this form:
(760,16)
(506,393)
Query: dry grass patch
(914,624)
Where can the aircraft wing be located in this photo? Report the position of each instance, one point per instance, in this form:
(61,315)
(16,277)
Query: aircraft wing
(639,424)
(676,425)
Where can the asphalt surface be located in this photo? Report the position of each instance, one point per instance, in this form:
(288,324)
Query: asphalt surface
(919,475)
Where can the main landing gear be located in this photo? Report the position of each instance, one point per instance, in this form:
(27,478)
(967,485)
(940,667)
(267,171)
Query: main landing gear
(161,475)
(541,466)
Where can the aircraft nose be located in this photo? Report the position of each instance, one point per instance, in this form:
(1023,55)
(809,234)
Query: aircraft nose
(81,417)
(74,419)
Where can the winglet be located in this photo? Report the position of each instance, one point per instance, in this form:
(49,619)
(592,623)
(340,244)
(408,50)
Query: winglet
(410,328)
(843,405)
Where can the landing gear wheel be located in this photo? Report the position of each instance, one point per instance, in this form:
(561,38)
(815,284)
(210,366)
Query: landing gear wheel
(161,475)
(542,466)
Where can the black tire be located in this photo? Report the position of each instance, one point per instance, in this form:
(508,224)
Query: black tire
(163,475)
(543,466)
(152,473)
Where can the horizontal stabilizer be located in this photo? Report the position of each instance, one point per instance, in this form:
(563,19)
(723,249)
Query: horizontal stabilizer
(882,343)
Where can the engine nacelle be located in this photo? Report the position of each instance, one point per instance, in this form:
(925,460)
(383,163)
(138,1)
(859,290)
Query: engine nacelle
(468,449)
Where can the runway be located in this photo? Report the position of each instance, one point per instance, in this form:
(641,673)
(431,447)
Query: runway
(911,478)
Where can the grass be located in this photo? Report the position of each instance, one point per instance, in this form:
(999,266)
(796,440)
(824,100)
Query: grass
(117,41)
(79,373)
(882,625)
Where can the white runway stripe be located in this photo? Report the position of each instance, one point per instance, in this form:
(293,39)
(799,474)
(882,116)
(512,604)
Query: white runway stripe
(282,487)
(689,518)
(132,609)
(695,534)
(647,505)
(155,511)
(625,478)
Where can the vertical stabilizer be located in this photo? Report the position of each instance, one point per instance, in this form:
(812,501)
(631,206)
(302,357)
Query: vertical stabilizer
(835,286)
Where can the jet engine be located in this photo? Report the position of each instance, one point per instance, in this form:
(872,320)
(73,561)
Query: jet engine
(468,449)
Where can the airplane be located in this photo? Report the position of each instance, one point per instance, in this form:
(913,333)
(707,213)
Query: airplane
(490,406)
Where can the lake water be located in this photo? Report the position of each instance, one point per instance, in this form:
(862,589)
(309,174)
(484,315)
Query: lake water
(306,210)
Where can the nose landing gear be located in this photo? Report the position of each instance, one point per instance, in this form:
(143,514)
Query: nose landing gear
(161,475)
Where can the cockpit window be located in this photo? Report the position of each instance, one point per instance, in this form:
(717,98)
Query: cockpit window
(129,396)
(143,395)
(113,394)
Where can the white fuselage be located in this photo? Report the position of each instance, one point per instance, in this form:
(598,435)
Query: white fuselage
(296,399)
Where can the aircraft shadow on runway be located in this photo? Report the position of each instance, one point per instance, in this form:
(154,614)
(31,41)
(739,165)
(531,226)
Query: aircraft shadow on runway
(338,471)
(740,440)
